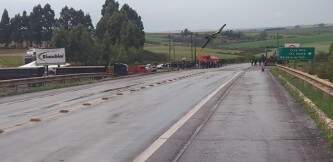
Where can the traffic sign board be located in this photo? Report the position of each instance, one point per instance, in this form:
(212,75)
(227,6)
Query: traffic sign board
(296,53)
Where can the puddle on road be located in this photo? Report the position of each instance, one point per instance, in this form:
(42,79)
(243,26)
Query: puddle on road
(74,99)
(50,106)
(64,111)
(87,104)
(35,120)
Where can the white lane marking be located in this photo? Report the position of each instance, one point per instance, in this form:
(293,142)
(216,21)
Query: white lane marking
(166,135)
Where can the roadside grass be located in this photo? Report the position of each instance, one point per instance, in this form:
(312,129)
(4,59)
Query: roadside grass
(185,52)
(10,61)
(323,101)
(321,67)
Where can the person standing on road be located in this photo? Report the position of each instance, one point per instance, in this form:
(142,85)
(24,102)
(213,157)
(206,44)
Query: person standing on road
(263,63)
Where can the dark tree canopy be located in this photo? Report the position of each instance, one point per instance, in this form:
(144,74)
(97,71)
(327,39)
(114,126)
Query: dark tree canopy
(35,23)
(120,32)
(70,18)
(185,32)
(16,27)
(110,7)
(25,27)
(42,23)
(78,43)
(4,17)
(119,35)
(133,27)
(123,26)
(48,22)
(5,27)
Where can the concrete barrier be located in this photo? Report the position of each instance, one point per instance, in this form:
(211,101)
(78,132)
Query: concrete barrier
(18,86)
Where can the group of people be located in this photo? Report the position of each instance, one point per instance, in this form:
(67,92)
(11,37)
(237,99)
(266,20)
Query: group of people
(261,61)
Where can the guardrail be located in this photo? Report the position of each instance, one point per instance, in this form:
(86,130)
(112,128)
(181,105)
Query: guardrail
(321,84)
(18,86)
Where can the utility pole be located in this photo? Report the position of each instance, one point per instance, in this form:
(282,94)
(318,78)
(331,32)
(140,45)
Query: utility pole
(277,40)
(192,46)
(174,53)
(266,54)
(277,43)
(169,48)
(195,52)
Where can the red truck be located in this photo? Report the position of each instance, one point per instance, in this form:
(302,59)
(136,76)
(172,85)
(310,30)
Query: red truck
(207,61)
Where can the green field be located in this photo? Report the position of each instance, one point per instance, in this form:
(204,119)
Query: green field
(185,52)
(10,61)
(307,36)
(156,38)
(11,57)
(319,41)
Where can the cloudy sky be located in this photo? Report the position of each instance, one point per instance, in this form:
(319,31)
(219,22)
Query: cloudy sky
(171,15)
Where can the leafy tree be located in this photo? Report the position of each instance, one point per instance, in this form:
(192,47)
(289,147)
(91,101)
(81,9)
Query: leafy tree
(321,25)
(108,31)
(79,45)
(263,35)
(42,23)
(25,27)
(185,32)
(110,21)
(120,35)
(134,29)
(331,49)
(16,28)
(107,50)
(119,32)
(48,22)
(35,19)
(70,18)
(110,7)
(233,35)
(5,28)
(5,17)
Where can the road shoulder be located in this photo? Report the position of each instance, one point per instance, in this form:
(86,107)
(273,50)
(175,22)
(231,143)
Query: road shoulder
(258,121)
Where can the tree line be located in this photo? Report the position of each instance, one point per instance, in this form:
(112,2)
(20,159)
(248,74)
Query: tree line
(118,37)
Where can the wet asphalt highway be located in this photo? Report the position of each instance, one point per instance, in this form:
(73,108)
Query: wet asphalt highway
(109,121)
(116,120)
(258,121)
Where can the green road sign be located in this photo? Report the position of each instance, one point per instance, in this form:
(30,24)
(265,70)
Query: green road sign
(296,53)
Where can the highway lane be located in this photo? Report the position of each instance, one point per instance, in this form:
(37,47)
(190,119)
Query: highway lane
(17,109)
(135,112)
